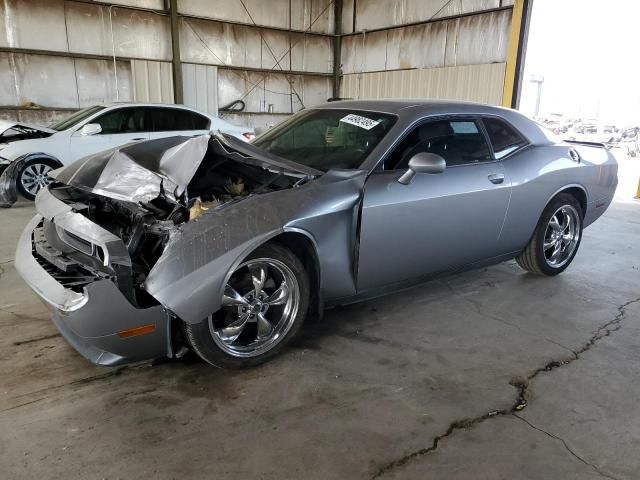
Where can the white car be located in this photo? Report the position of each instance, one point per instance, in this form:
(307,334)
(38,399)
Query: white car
(91,130)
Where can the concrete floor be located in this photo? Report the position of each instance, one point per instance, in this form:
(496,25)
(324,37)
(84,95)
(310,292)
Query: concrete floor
(420,384)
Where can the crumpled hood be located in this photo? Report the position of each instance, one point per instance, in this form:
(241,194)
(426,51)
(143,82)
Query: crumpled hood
(138,172)
(8,124)
(141,172)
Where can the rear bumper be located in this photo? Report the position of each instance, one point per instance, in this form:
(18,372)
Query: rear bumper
(91,320)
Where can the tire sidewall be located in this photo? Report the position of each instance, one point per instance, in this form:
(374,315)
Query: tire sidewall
(558,202)
(199,335)
(25,165)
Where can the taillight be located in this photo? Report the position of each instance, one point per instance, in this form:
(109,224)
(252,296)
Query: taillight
(248,136)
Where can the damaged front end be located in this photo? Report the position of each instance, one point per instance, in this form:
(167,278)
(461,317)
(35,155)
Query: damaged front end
(11,132)
(104,223)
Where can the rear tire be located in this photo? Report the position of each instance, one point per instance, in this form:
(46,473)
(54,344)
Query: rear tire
(264,306)
(556,239)
(32,176)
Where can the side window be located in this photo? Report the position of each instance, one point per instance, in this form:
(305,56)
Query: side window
(459,142)
(200,122)
(504,139)
(122,120)
(175,119)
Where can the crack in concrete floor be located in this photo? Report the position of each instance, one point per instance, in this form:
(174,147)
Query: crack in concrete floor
(566,447)
(523,386)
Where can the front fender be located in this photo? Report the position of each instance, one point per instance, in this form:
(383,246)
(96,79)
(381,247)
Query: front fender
(200,255)
(8,190)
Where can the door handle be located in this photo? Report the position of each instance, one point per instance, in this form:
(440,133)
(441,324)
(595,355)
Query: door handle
(137,139)
(496,178)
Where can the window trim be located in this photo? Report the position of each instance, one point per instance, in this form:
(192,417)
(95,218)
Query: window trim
(452,117)
(526,141)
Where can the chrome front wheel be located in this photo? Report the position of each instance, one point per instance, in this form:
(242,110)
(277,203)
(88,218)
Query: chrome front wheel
(260,303)
(263,306)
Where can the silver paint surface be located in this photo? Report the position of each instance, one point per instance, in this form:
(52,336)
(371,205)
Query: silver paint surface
(370,233)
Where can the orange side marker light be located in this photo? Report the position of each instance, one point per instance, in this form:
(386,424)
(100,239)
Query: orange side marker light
(137,331)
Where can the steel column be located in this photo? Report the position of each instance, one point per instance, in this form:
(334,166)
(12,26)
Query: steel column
(337,47)
(175,47)
(516,52)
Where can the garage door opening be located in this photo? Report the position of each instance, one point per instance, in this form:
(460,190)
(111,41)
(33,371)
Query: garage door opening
(580,78)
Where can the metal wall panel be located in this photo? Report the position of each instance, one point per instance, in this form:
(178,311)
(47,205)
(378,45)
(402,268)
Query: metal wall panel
(152,4)
(136,34)
(347,16)
(272,13)
(34,24)
(38,76)
(83,28)
(60,82)
(257,90)
(463,41)
(152,81)
(34,115)
(478,83)
(281,92)
(9,88)
(209,42)
(200,86)
(479,39)
(372,14)
(259,121)
(96,82)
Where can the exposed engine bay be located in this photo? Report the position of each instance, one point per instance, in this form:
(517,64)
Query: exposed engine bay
(19,132)
(145,227)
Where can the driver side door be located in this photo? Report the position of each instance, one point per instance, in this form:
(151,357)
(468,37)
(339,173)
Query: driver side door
(119,127)
(439,221)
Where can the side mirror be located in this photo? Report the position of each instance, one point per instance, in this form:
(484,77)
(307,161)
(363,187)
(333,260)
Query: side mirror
(423,162)
(91,129)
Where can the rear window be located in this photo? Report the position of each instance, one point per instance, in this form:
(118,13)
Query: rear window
(504,138)
(175,119)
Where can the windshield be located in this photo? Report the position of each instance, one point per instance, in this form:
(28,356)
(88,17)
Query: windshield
(324,139)
(75,118)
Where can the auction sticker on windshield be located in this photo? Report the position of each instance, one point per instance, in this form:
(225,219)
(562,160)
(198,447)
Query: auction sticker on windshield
(358,121)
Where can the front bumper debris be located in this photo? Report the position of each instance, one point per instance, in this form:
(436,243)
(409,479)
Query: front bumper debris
(91,316)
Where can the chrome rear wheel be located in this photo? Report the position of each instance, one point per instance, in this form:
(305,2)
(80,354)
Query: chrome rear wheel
(562,236)
(556,239)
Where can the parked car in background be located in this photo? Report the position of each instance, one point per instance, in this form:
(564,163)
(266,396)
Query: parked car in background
(91,130)
(225,247)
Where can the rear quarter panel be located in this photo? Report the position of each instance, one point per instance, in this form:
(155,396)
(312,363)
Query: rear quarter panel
(539,173)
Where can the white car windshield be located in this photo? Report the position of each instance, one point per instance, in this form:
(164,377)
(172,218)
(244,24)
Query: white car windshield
(76,118)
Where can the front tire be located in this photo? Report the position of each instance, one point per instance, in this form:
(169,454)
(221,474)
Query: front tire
(264,305)
(556,239)
(33,175)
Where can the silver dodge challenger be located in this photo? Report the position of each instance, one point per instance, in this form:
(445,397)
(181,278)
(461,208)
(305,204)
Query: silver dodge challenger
(222,247)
